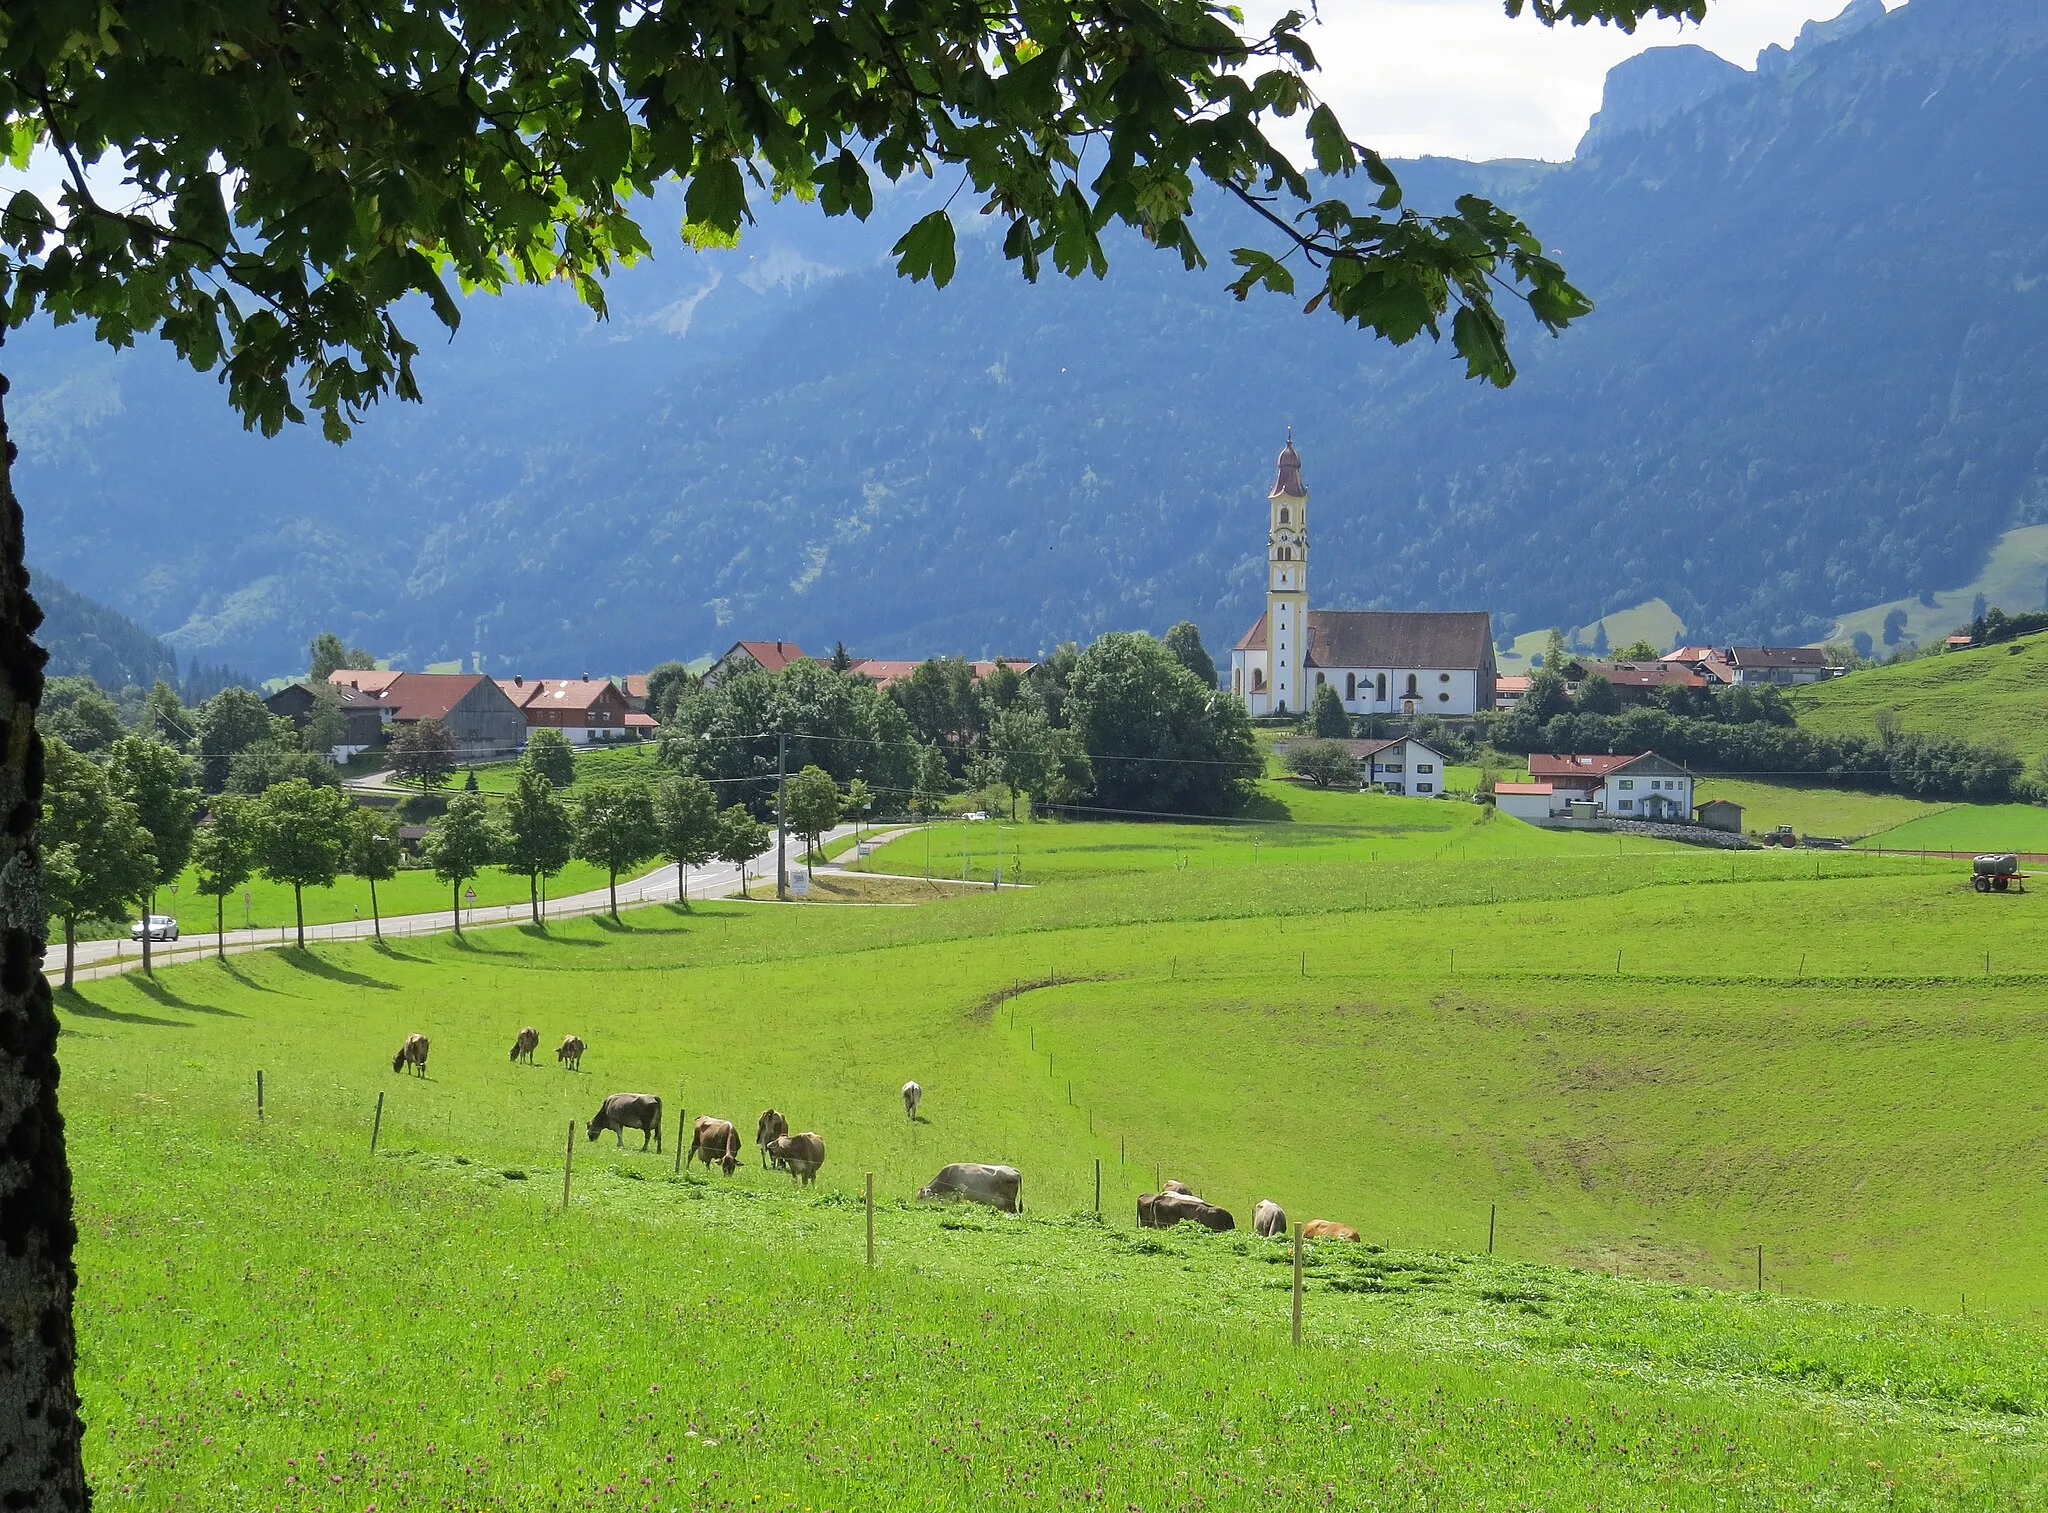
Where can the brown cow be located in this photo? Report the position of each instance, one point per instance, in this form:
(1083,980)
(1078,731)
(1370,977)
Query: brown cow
(799,1155)
(1327,1229)
(1269,1219)
(1164,1210)
(1178,1187)
(715,1142)
(570,1053)
(623,1111)
(771,1127)
(523,1046)
(413,1053)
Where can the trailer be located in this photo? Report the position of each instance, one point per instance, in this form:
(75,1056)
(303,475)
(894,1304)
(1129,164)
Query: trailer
(1998,874)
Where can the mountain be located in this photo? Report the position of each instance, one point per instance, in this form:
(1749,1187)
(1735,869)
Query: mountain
(86,638)
(1814,382)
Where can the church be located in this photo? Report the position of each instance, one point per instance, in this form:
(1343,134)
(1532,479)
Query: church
(1380,662)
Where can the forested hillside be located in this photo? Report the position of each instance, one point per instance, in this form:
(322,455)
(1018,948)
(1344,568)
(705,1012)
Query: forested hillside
(1813,383)
(85,639)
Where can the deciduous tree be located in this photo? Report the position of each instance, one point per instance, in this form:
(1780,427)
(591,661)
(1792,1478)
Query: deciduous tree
(423,754)
(373,851)
(1324,763)
(462,843)
(228,724)
(224,855)
(96,854)
(860,799)
(813,807)
(76,712)
(302,835)
(616,829)
(328,654)
(1185,642)
(687,812)
(1158,741)
(548,753)
(539,835)
(155,779)
(1326,717)
(741,838)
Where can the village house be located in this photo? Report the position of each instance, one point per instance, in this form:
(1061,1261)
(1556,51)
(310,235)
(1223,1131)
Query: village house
(1636,682)
(364,715)
(884,671)
(747,656)
(582,709)
(1644,786)
(484,722)
(1379,661)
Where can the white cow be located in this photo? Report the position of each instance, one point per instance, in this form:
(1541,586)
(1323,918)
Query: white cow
(912,1096)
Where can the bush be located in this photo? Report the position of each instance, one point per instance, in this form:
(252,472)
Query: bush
(1324,763)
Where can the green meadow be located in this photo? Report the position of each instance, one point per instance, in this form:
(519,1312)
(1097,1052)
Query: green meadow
(1812,809)
(1995,695)
(1639,1064)
(1971,827)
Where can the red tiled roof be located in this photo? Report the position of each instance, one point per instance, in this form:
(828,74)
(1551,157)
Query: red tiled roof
(1513,682)
(1660,674)
(635,684)
(1551,765)
(1255,638)
(883,671)
(558,693)
(1529,788)
(638,721)
(773,655)
(369,680)
(429,695)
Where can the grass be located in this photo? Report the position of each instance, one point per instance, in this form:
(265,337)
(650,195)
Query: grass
(1844,813)
(1653,621)
(1995,695)
(1804,1052)
(593,763)
(2012,580)
(1975,828)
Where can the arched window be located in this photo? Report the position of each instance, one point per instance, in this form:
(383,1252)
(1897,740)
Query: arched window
(1283,514)
(1411,686)
(1379,686)
(1258,681)
(1350,687)
(1319,680)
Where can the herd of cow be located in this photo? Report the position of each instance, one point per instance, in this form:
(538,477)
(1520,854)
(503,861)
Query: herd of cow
(716,1142)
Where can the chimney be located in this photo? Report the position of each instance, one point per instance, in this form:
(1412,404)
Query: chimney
(519,680)
(586,677)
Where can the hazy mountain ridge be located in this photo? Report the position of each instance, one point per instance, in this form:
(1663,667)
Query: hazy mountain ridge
(1813,383)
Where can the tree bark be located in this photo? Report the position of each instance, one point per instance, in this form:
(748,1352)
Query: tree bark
(148,908)
(376,921)
(455,892)
(299,910)
(533,895)
(220,926)
(41,1466)
(70,942)
(615,892)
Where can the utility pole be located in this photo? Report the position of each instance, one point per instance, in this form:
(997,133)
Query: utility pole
(781,817)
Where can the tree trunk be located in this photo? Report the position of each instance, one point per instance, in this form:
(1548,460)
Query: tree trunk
(614,886)
(376,920)
(70,943)
(40,1462)
(299,909)
(533,895)
(682,886)
(148,908)
(220,925)
(455,892)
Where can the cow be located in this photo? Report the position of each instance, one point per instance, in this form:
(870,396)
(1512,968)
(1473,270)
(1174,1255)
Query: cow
(1182,1188)
(1327,1229)
(1164,1210)
(413,1053)
(1269,1219)
(997,1186)
(771,1127)
(570,1053)
(715,1142)
(799,1155)
(623,1111)
(913,1095)
(523,1046)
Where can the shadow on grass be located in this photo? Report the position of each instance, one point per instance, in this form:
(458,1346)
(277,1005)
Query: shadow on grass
(616,926)
(154,988)
(544,934)
(227,967)
(385,949)
(313,966)
(1264,806)
(469,943)
(71,1001)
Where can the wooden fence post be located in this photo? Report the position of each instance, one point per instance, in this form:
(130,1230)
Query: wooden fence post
(568,1161)
(1098,1187)
(871,1218)
(259,1097)
(682,1119)
(1297,1281)
(1492,1211)
(376,1124)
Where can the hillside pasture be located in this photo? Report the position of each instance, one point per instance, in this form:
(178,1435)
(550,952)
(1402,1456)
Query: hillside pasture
(1994,695)
(1974,828)
(1811,809)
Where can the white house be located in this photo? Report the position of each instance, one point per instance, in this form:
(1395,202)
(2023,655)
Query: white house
(1641,787)
(1525,801)
(1404,765)
(1379,661)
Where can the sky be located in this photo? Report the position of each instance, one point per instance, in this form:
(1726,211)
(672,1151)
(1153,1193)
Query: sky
(1458,79)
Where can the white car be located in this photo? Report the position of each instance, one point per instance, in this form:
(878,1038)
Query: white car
(160,927)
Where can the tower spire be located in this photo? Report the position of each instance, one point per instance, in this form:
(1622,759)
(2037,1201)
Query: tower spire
(1288,483)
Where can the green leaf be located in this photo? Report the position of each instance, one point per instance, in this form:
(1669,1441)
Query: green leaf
(1482,341)
(717,197)
(1327,140)
(926,250)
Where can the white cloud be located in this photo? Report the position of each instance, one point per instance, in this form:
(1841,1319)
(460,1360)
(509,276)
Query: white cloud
(1458,78)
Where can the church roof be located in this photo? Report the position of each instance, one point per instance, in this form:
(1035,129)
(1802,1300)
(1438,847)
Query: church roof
(1288,483)
(1389,638)
(1255,638)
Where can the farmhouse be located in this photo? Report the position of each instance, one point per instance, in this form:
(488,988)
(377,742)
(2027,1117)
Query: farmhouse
(583,709)
(883,671)
(1402,765)
(364,715)
(749,656)
(1640,787)
(477,713)
(1380,662)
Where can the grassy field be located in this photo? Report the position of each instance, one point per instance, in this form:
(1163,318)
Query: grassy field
(1971,827)
(1845,813)
(1996,695)
(2012,580)
(1807,1053)
(592,764)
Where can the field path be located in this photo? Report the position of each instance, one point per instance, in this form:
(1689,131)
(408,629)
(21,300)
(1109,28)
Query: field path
(106,958)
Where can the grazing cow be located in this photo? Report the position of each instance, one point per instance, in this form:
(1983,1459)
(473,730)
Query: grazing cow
(523,1047)
(413,1053)
(624,1111)
(715,1142)
(1269,1219)
(1178,1187)
(570,1053)
(1327,1229)
(997,1186)
(799,1155)
(913,1095)
(1164,1210)
(772,1127)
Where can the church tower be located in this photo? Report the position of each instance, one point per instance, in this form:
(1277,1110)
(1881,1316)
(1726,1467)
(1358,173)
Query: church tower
(1287,587)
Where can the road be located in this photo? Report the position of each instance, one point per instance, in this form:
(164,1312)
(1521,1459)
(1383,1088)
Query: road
(102,958)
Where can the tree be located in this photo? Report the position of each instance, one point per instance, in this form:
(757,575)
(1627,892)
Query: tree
(1596,695)
(1159,742)
(1326,717)
(687,812)
(461,844)
(741,838)
(224,854)
(1185,642)
(228,724)
(616,829)
(327,654)
(78,714)
(1637,650)
(548,753)
(285,187)
(164,717)
(666,687)
(302,835)
(1324,763)
(860,798)
(96,855)
(931,781)
(373,850)
(813,807)
(254,772)
(152,777)
(1019,751)
(1894,626)
(1600,639)
(423,754)
(539,836)
(842,660)
(324,725)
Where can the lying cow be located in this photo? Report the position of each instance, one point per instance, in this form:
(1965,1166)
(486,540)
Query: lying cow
(624,1111)
(1171,1186)
(1164,1210)
(972,1182)
(1327,1229)
(771,1127)
(570,1053)
(412,1054)
(523,1046)
(715,1142)
(799,1155)
(913,1095)
(1269,1219)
